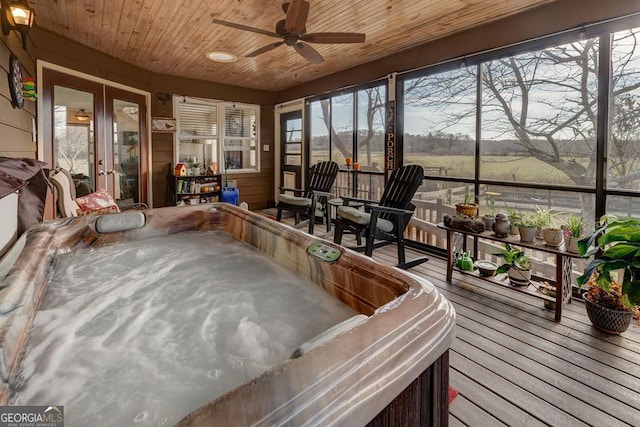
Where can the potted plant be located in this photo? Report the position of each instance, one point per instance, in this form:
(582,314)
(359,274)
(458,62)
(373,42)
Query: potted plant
(546,228)
(527,226)
(573,228)
(195,167)
(468,206)
(552,234)
(514,216)
(517,265)
(489,218)
(613,276)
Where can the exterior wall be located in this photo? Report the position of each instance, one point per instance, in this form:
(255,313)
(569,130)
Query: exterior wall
(548,19)
(255,188)
(16,139)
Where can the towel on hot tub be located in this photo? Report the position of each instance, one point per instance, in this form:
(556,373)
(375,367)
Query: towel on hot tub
(33,192)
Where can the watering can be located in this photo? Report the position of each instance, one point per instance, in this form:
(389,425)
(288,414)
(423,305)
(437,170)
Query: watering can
(465,262)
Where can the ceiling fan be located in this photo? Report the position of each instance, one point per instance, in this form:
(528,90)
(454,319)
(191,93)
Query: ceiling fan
(293,31)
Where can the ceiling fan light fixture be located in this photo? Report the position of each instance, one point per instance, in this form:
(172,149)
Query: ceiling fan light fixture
(293,31)
(219,56)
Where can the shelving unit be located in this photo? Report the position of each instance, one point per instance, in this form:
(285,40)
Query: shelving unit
(203,188)
(456,243)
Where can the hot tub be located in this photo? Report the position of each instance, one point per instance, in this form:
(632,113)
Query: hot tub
(390,369)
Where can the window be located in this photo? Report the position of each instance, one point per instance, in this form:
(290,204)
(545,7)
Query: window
(217,134)
(351,124)
(440,123)
(528,126)
(539,112)
(623,160)
(240,137)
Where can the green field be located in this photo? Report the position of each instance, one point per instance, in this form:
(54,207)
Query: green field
(505,168)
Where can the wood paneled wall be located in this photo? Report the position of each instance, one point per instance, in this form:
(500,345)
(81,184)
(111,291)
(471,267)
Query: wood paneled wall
(16,139)
(255,188)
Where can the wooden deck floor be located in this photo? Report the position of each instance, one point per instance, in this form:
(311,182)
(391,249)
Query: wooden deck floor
(512,364)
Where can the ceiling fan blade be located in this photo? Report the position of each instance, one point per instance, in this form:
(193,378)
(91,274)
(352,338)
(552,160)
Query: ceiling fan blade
(246,28)
(330,38)
(297,14)
(309,53)
(264,49)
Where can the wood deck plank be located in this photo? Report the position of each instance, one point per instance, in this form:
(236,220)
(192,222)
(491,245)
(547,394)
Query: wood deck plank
(485,398)
(470,414)
(461,359)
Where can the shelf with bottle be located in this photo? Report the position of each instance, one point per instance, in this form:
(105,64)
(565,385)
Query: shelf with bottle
(205,188)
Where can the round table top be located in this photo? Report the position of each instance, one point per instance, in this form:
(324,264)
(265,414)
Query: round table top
(339,202)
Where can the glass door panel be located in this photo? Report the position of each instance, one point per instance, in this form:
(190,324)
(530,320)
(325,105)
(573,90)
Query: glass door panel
(291,146)
(126,157)
(126,150)
(74,147)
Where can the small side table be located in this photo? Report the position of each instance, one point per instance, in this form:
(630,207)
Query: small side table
(339,202)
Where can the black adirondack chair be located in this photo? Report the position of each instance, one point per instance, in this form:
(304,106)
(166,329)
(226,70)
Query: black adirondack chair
(312,201)
(383,220)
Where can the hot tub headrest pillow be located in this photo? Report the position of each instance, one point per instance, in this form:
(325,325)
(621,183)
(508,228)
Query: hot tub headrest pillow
(124,221)
(329,334)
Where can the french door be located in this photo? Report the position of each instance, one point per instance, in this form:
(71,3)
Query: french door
(98,133)
(291,149)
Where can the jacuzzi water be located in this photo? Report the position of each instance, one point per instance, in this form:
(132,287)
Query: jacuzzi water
(144,332)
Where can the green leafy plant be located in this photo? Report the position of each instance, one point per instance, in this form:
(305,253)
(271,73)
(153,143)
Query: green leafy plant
(526,220)
(615,269)
(544,217)
(574,225)
(514,257)
(491,206)
(469,199)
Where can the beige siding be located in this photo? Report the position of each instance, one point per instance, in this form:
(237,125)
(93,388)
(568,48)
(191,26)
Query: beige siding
(16,138)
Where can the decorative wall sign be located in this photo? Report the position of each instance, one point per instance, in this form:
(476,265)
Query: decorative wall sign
(15,82)
(390,137)
(163,124)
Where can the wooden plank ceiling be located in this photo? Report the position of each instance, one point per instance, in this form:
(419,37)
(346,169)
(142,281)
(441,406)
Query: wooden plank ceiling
(172,37)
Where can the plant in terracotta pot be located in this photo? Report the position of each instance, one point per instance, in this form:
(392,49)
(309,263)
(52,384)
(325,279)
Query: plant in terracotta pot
(517,265)
(613,276)
(468,207)
(573,228)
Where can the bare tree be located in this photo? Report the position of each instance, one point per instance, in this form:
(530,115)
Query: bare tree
(546,102)
(72,148)
(374,116)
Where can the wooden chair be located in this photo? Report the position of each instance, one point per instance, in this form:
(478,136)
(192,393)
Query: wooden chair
(386,219)
(312,201)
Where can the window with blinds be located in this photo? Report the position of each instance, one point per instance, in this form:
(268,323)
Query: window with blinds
(217,134)
(198,120)
(240,137)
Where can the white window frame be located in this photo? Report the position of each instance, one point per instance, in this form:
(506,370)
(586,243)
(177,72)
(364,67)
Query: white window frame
(221,132)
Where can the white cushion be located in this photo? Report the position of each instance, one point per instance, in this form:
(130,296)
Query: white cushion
(294,200)
(68,207)
(364,218)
